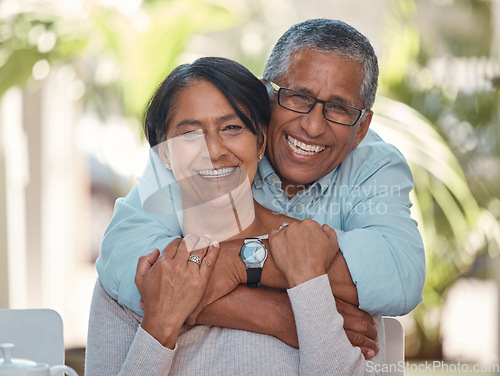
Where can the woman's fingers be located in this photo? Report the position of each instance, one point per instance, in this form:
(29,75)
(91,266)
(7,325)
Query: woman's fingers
(146,262)
(187,245)
(209,260)
(196,250)
(171,249)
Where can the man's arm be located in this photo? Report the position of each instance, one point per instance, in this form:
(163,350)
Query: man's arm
(381,244)
(272,314)
(132,233)
(230,271)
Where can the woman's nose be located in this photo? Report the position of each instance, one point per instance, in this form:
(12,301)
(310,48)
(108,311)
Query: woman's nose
(215,146)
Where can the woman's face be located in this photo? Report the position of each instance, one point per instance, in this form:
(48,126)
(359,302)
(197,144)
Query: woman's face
(209,148)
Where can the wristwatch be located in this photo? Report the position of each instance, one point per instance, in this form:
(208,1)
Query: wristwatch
(253,253)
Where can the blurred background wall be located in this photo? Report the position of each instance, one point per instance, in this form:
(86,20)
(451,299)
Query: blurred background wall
(75,76)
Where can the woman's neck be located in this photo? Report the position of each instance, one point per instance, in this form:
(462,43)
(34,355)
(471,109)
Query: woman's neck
(233,216)
(223,218)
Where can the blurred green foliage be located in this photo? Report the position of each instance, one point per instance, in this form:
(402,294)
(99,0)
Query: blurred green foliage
(443,71)
(120,58)
(27,38)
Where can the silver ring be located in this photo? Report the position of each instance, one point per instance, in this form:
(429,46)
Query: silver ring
(195,258)
(284,224)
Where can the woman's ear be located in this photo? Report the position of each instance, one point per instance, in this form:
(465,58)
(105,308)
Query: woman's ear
(163,154)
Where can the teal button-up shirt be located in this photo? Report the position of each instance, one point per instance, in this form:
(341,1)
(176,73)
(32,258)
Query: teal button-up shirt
(366,197)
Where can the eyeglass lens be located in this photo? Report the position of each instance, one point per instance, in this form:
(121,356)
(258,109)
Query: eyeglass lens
(303,103)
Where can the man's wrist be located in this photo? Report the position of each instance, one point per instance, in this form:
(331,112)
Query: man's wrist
(237,266)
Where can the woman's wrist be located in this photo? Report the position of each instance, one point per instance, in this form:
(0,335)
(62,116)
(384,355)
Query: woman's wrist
(165,333)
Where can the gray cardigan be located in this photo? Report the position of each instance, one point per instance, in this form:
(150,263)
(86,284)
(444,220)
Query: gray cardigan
(117,344)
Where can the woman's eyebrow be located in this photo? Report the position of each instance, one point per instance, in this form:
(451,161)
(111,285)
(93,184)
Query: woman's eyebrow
(219,119)
(223,118)
(186,122)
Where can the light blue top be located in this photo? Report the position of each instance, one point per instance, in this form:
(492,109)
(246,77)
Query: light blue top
(366,196)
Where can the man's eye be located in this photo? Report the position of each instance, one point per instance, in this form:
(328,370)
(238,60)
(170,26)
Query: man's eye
(301,97)
(337,108)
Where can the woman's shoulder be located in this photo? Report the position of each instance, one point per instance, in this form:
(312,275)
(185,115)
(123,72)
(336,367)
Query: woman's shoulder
(102,301)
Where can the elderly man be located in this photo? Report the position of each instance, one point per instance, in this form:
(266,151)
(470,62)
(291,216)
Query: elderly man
(322,162)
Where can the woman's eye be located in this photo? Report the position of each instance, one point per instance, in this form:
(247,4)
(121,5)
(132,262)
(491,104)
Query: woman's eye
(192,135)
(233,128)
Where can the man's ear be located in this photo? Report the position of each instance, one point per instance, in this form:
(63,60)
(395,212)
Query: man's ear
(363,128)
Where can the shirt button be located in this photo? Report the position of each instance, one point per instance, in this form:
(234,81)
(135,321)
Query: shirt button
(259,181)
(273,179)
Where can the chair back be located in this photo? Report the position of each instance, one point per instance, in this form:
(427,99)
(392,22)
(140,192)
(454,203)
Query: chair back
(395,347)
(36,333)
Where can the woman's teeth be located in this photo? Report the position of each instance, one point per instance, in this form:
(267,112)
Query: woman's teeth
(302,148)
(217,173)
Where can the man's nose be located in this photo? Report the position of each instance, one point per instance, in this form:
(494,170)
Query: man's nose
(314,123)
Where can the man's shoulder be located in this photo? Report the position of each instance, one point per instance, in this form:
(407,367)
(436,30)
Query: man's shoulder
(369,157)
(373,149)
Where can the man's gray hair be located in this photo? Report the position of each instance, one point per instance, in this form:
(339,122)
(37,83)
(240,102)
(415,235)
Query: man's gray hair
(329,36)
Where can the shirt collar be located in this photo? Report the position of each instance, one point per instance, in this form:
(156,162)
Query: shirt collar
(265,170)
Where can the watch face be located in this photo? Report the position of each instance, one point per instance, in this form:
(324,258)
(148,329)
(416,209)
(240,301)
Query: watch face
(253,252)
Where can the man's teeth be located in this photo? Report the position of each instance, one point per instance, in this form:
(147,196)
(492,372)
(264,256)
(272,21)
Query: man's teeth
(217,173)
(302,148)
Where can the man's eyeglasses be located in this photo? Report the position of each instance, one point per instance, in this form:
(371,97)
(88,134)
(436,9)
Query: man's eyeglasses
(303,103)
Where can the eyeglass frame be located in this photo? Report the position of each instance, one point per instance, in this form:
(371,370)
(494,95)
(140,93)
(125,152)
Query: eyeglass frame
(277,90)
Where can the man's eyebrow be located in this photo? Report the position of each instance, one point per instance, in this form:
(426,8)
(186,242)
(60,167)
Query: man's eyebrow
(333,98)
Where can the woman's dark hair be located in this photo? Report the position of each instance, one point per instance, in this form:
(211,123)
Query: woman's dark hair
(245,92)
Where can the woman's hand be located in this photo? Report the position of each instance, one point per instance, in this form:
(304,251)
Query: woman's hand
(303,250)
(171,285)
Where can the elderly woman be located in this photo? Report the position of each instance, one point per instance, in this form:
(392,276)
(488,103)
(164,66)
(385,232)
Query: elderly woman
(208,120)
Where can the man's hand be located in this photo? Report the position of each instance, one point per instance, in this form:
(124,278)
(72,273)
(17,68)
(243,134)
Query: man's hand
(303,250)
(359,327)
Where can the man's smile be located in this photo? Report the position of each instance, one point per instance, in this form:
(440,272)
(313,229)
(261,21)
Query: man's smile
(302,148)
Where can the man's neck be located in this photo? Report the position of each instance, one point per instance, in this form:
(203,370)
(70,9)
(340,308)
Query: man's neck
(292,189)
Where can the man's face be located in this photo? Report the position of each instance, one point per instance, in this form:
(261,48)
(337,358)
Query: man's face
(305,147)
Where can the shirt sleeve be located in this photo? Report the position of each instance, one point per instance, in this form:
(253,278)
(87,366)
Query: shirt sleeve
(132,233)
(381,244)
(324,348)
(117,344)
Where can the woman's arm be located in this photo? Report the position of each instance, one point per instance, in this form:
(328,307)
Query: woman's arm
(118,345)
(171,285)
(270,313)
(324,347)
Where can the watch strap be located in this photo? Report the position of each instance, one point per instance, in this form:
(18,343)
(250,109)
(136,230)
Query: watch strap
(253,277)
